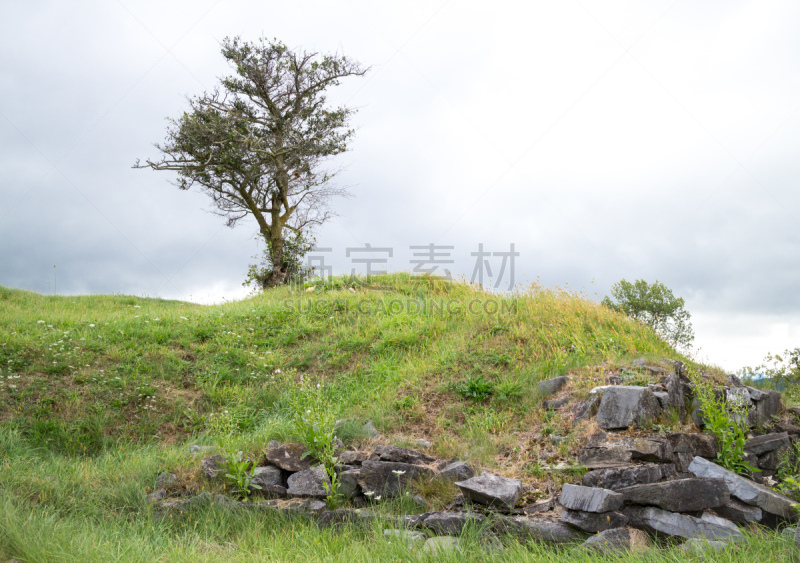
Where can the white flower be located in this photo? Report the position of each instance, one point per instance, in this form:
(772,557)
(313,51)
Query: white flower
(91,326)
(369,493)
(40,322)
(184,318)
(378,497)
(398,473)
(278,371)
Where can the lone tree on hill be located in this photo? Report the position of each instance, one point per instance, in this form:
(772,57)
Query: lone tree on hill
(257,145)
(656,306)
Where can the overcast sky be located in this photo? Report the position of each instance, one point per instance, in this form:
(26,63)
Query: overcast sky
(604,139)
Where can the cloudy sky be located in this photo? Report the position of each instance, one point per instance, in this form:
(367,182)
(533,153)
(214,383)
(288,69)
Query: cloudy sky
(604,139)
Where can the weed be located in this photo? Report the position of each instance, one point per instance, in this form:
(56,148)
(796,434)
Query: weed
(476,389)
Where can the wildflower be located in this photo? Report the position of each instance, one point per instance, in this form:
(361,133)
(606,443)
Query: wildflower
(40,322)
(92,326)
(398,473)
(369,493)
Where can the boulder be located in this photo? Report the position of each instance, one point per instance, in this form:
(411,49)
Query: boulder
(211,467)
(737,511)
(623,406)
(456,471)
(539,528)
(400,455)
(769,461)
(766,443)
(618,540)
(593,522)
(348,483)
(269,475)
(156,496)
(555,404)
(663,399)
(585,409)
(166,480)
(388,479)
(765,408)
(289,457)
(610,450)
(551,386)
(350,457)
(746,490)
(697,443)
(675,391)
(614,478)
(303,507)
(682,495)
(451,523)
(662,522)
(589,499)
(268,491)
(313,483)
(492,490)
(542,505)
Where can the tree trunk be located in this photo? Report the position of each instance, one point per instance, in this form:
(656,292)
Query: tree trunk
(279,271)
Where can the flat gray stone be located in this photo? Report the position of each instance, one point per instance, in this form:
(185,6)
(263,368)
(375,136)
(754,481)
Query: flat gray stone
(389,479)
(551,386)
(737,511)
(289,457)
(605,450)
(682,495)
(456,471)
(555,404)
(313,483)
(492,490)
(166,480)
(539,528)
(618,540)
(348,483)
(211,467)
(662,522)
(623,406)
(760,445)
(451,523)
(746,490)
(156,496)
(593,522)
(269,475)
(542,505)
(765,408)
(350,457)
(614,478)
(400,455)
(588,499)
(699,443)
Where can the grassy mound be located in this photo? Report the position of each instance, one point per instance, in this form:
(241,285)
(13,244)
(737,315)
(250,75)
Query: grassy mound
(418,356)
(100,394)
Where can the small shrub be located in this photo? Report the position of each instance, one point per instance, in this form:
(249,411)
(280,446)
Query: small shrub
(476,389)
(728,422)
(316,426)
(239,471)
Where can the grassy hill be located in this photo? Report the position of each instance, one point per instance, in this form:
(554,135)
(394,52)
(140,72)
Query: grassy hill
(99,394)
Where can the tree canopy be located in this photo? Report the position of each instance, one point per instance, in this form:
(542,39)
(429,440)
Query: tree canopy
(258,143)
(655,305)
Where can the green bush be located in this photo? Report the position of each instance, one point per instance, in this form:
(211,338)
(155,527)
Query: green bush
(727,420)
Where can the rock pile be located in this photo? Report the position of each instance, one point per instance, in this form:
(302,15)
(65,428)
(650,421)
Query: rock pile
(637,484)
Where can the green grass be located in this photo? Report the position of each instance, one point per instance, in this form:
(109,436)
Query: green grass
(99,394)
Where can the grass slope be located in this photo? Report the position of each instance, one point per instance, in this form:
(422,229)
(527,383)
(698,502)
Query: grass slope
(101,393)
